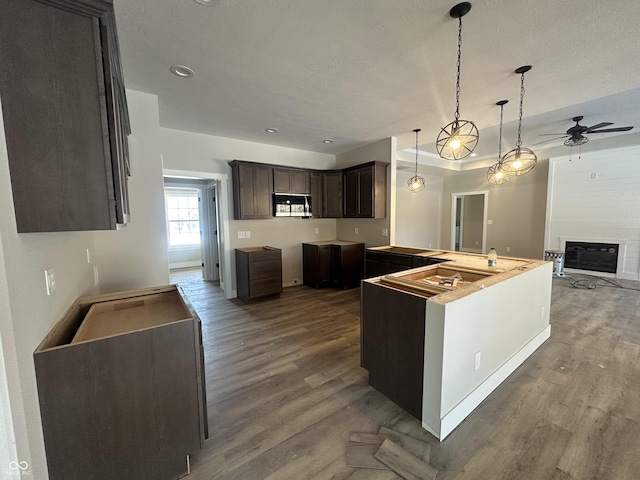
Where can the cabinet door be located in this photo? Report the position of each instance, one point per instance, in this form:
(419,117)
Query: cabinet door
(317,200)
(332,194)
(299,181)
(365,192)
(246,207)
(262,192)
(281,180)
(55,117)
(351,193)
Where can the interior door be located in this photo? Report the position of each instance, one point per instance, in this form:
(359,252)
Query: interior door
(210,235)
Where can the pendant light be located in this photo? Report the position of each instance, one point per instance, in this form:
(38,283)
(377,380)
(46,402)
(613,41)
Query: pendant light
(416,183)
(459,138)
(498,173)
(520,160)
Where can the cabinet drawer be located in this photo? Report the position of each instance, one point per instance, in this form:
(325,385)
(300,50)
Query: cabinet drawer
(269,268)
(264,255)
(265,286)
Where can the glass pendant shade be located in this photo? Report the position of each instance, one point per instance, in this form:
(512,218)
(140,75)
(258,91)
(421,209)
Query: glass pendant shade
(520,160)
(416,183)
(459,138)
(498,173)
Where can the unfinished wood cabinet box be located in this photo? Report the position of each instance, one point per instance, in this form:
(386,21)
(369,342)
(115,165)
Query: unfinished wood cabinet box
(122,388)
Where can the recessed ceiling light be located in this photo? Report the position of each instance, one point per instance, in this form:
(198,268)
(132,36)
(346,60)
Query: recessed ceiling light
(328,140)
(271,130)
(181,71)
(208,3)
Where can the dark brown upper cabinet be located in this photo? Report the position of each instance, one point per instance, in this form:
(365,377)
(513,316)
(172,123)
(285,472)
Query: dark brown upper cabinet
(252,190)
(288,180)
(365,190)
(65,115)
(326,193)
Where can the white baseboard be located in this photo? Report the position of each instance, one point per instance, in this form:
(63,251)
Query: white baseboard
(193,263)
(461,411)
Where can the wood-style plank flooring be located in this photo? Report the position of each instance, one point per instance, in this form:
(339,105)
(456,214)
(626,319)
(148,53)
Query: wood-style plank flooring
(285,390)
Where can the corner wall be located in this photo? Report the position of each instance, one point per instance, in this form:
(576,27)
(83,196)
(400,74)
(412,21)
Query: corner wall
(517,210)
(370,229)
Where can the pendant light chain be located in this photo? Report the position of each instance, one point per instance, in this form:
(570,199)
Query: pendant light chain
(519,142)
(500,138)
(457,114)
(416,130)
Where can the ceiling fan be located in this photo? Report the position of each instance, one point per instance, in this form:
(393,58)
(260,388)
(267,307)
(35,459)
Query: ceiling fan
(576,135)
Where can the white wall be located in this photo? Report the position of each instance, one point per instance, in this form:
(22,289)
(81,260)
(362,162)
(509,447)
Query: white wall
(136,255)
(596,197)
(418,215)
(505,322)
(194,152)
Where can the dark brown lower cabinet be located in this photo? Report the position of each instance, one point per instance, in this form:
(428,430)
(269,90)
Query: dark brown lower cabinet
(258,272)
(121,387)
(333,264)
(392,329)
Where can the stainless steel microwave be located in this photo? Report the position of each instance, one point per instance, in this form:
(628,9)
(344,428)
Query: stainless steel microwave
(291,205)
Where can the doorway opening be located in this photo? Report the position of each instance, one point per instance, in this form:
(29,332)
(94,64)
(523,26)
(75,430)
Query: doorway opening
(212,256)
(469,212)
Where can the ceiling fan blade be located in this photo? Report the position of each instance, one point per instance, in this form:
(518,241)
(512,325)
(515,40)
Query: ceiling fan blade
(598,125)
(563,134)
(607,130)
(550,140)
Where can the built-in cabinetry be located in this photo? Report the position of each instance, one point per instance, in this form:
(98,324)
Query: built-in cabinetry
(382,260)
(121,387)
(365,190)
(65,115)
(290,180)
(326,193)
(359,191)
(252,190)
(333,263)
(258,272)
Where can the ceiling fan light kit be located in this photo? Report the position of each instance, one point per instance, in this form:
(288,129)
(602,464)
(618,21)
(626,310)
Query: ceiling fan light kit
(498,173)
(459,138)
(520,160)
(416,183)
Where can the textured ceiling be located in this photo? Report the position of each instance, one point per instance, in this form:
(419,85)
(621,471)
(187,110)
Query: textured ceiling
(357,71)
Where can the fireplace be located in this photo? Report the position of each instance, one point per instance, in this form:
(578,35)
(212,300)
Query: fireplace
(593,256)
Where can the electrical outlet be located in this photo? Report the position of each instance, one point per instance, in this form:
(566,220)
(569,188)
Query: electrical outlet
(247,234)
(508,249)
(356,230)
(88,256)
(476,362)
(241,234)
(490,222)
(96,276)
(295,281)
(542,311)
(317,230)
(50,279)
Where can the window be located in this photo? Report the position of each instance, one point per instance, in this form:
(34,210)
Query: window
(183,216)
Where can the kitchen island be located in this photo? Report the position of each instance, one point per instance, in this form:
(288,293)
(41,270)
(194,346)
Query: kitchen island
(438,339)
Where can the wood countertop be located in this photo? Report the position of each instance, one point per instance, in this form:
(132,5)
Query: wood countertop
(413,280)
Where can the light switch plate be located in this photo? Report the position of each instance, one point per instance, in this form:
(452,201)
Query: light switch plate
(241,234)
(247,234)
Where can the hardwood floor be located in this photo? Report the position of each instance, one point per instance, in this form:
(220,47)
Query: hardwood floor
(285,390)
